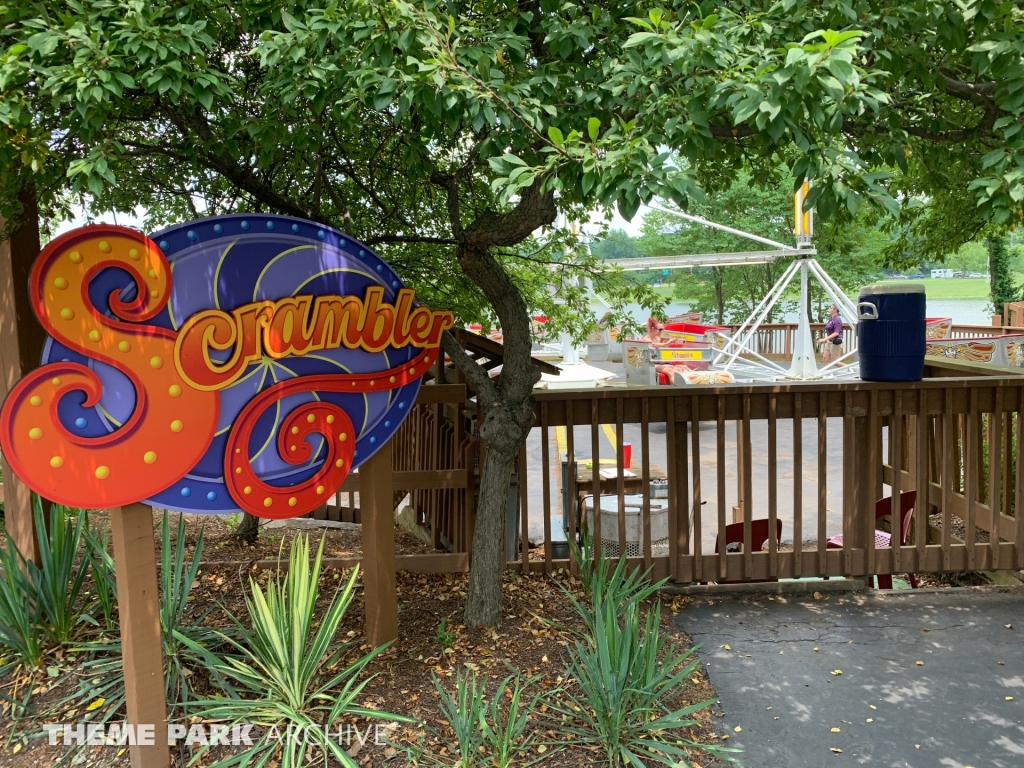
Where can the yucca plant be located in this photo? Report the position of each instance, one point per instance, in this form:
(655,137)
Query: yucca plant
(625,676)
(465,715)
(43,605)
(188,644)
(507,742)
(285,670)
(485,734)
(104,584)
(59,578)
(21,635)
(606,587)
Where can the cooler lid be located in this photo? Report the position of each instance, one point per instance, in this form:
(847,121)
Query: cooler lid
(869,290)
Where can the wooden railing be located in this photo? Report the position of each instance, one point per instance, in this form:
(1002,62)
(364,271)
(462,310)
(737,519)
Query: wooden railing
(816,455)
(777,338)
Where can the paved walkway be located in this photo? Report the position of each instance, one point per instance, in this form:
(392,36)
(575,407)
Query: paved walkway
(777,678)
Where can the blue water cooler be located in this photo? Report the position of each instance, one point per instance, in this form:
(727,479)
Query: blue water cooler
(891,332)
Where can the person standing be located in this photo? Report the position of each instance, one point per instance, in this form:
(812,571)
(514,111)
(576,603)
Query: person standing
(832,341)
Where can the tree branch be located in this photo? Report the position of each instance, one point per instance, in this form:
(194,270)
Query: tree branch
(241,177)
(479,380)
(410,239)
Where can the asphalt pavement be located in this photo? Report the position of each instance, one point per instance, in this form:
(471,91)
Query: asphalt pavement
(910,679)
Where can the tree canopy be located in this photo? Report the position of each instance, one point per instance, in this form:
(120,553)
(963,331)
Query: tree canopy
(451,135)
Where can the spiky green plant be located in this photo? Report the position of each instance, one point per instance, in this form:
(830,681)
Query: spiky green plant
(485,734)
(285,668)
(188,644)
(101,568)
(505,737)
(21,634)
(465,715)
(43,605)
(625,675)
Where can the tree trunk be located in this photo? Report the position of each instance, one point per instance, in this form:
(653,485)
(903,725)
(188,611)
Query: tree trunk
(483,600)
(507,401)
(248,529)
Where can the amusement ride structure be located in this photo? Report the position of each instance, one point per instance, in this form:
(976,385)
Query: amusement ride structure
(739,353)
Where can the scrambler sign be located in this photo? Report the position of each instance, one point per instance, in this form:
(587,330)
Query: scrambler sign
(244,362)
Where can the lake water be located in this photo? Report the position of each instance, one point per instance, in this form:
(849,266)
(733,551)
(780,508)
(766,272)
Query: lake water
(963,311)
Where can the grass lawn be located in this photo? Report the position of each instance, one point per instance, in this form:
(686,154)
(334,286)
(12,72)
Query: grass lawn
(950,288)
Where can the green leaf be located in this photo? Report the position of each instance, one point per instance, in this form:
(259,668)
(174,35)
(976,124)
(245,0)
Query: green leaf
(556,136)
(593,128)
(993,157)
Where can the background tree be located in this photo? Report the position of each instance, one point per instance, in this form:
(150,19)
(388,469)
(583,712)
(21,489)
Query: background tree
(971,257)
(451,134)
(617,244)
(1003,288)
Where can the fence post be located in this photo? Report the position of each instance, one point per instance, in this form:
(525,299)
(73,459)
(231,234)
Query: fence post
(858,448)
(380,594)
(138,605)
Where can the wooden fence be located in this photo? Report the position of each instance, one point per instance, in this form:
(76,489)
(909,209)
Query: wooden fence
(955,441)
(815,455)
(776,339)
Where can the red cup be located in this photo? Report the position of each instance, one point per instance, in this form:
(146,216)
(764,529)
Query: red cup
(627,455)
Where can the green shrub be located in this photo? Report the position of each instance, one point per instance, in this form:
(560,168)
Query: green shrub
(104,584)
(625,676)
(42,606)
(285,667)
(187,644)
(505,734)
(465,715)
(485,735)
(21,633)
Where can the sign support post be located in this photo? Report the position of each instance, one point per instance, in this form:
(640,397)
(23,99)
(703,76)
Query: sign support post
(142,646)
(380,593)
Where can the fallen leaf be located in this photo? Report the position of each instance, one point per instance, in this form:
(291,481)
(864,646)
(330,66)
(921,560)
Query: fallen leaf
(917,746)
(836,672)
(781,652)
(869,720)
(1009,698)
(776,718)
(818,595)
(925,629)
(725,736)
(837,750)
(919,663)
(727,647)
(541,748)
(17,748)
(815,650)
(1009,626)
(835,730)
(96,704)
(737,729)
(872,706)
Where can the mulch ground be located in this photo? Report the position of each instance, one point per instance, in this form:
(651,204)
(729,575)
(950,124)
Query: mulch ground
(403,675)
